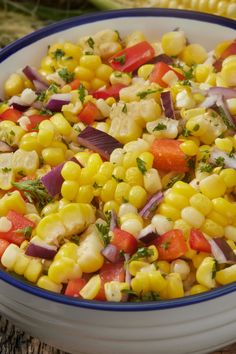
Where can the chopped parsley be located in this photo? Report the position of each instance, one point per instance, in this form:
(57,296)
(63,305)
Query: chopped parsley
(104,231)
(66,75)
(91,42)
(117,74)
(186,132)
(120,59)
(6,170)
(142,252)
(11,132)
(58,54)
(160,126)
(53,88)
(220,161)
(141,165)
(124,109)
(26,231)
(225,119)
(147,296)
(232,152)
(144,94)
(165,245)
(82,92)
(206,167)
(75,239)
(196,127)
(45,112)
(41,97)
(173,180)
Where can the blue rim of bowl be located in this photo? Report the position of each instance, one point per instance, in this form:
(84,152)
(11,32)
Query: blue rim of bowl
(66,24)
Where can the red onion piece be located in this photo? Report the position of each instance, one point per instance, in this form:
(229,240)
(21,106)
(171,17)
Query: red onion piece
(161,57)
(111,253)
(221,251)
(33,75)
(53,180)
(58,100)
(15,102)
(229,162)
(209,101)
(98,141)
(41,251)
(222,91)
(37,105)
(151,205)
(148,234)
(40,86)
(167,104)
(4,147)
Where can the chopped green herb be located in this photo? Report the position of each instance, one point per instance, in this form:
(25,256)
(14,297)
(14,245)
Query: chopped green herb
(173,180)
(186,82)
(147,296)
(118,35)
(82,92)
(220,161)
(141,165)
(21,173)
(143,94)
(214,270)
(88,53)
(11,132)
(66,75)
(41,97)
(26,231)
(96,186)
(45,112)
(6,170)
(165,245)
(125,200)
(53,88)
(225,119)
(58,54)
(117,74)
(206,167)
(191,163)
(104,231)
(117,179)
(142,252)
(196,127)
(160,126)
(75,239)
(124,109)
(186,132)
(120,59)
(189,74)
(232,152)
(91,42)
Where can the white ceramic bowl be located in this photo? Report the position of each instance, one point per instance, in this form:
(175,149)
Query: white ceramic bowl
(196,324)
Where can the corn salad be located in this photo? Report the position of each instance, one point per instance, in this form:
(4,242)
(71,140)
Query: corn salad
(118,168)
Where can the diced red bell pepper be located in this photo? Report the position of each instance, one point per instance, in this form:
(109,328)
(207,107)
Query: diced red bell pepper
(159,71)
(35,119)
(3,246)
(230,50)
(171,245)
(74,84)
(74,286)
(168,156)
(19,223)
(124,241)
(11,114)
(110,272)
(131,58)
(111,91)
(198,242)
(89,113)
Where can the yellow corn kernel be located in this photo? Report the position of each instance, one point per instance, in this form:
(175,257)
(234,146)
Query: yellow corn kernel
(169,211)
(50,228)
(111,205)
(198,258)
(152,181)
(30,142)
(83,73)
(108,190)
(176,200)
(156,280)
(118,77)
(12,201)
(140,283)
(134,38)
(129,159)
(147,158)
(154,255)
(231,103)
(64,269)
(131,223)
(33,270)
(135,266)
(119,173)
(85,194)
(145,70)
(175,287)
(86,177)
(194,54)
(227,275)
(184,189)
(183,226)
(224,207)
(10,256)
(103,72)
(63,202)
(94,163)
(91,62)
(231,244)
(189,148)
(53,156)
(21,263)
(202,71)
(61,124)
(198,289)
(137,196)
(71,171)
(201,203)
(14,85)
(45,137)
(230,233)
(212,228)
(180,267)
(163,266)
(48,64)
(228,73)
(69,189)
(122,192)
(190,253)
(104,173)
(68,250)
(224,144)
(197,126)
(45,283)
(91,289)
(73,50)
(192,216)
(133,176)
(219,49)
(212,186)
(113,290)
(205,273)
(229,177)
(173,42)
(97,83)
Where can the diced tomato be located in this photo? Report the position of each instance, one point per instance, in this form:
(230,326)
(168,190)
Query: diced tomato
(111,91)
(89,113)
(159,71)
(3,246)
(171,245)
(198,242)
(74,84)
(131,58)
(230,50)
(124,241)
(110,272)
(168,156)
(11,114)
(74,286)
(35,119)
(19,222)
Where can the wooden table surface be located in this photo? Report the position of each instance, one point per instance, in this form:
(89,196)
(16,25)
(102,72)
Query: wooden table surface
(15,341)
